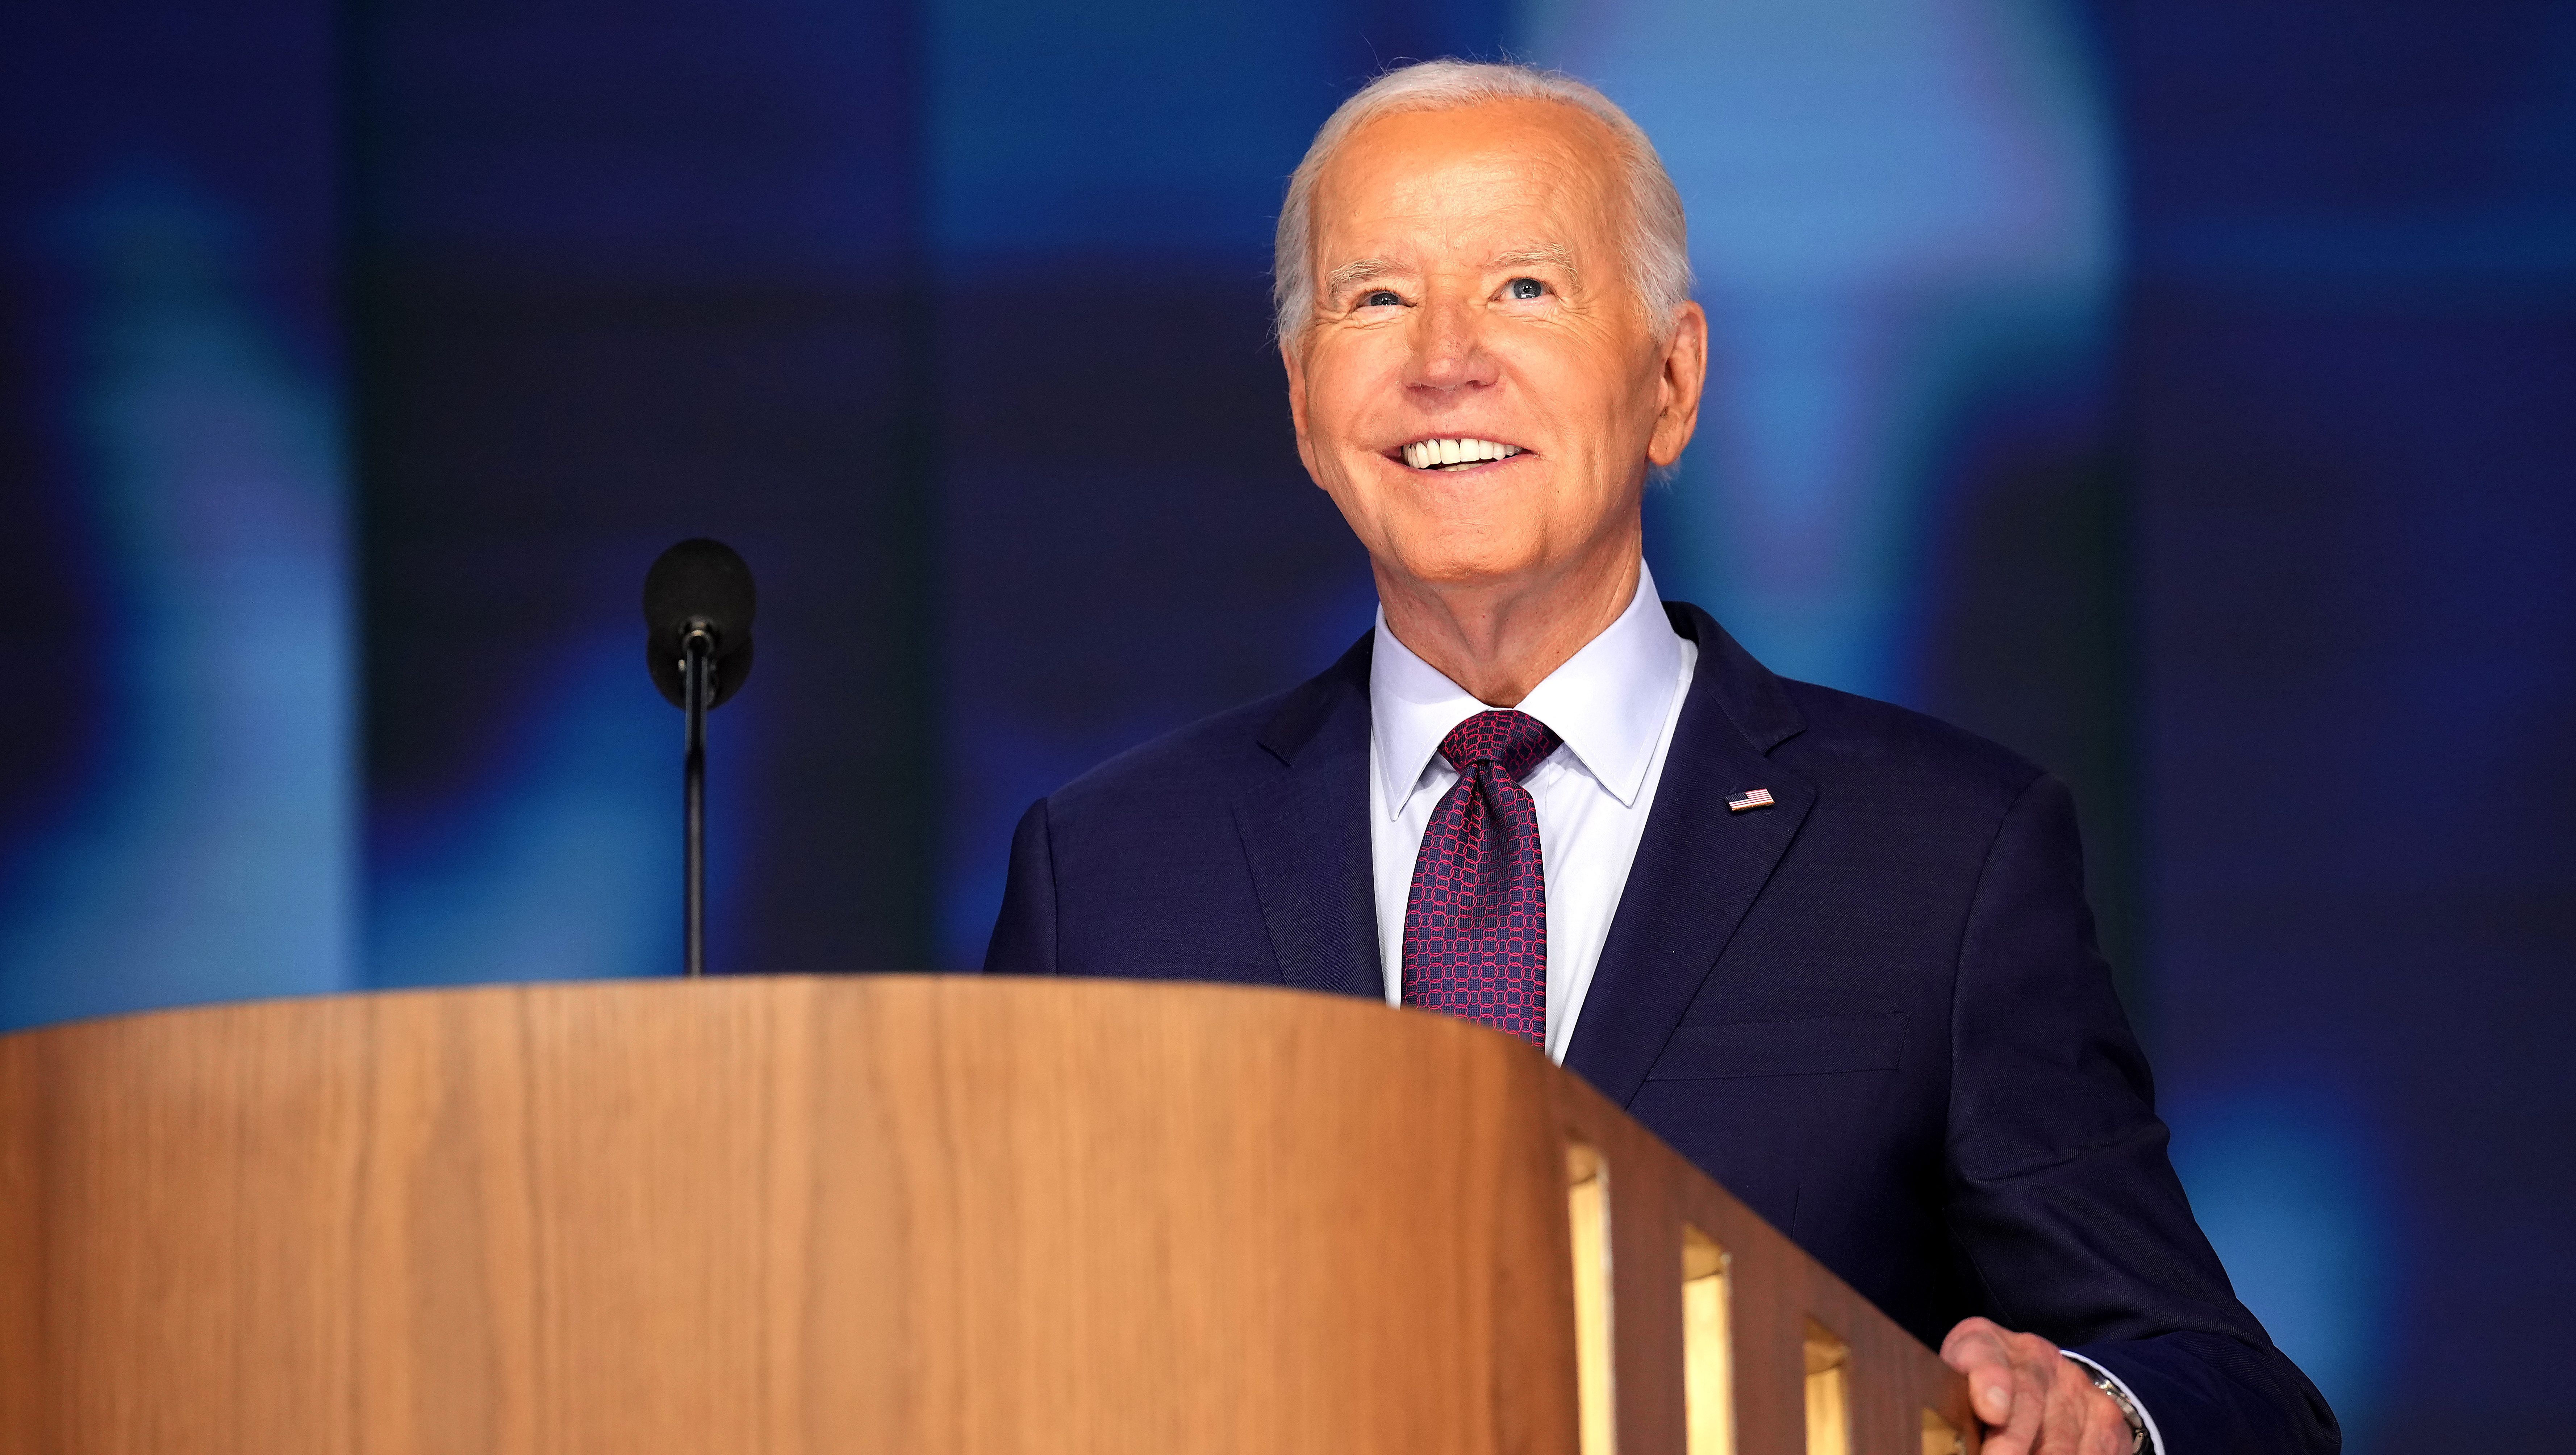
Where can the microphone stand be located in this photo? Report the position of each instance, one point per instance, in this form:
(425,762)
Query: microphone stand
(699,645)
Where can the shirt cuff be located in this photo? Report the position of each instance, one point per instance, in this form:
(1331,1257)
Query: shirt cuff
(2155,1437)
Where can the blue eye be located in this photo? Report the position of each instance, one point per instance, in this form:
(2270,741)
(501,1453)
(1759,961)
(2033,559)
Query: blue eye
(1525,288)
(1379,298)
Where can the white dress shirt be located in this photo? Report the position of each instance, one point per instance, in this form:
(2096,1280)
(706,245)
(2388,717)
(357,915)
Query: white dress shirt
(1614,704)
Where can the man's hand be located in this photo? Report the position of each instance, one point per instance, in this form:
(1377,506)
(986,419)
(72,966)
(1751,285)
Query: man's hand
(2032,1399)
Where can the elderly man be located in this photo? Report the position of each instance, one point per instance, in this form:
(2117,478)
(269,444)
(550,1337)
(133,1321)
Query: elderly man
(1835,952)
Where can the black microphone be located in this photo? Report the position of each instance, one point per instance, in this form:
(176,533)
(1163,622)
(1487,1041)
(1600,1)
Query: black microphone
(698,605)
(700,584)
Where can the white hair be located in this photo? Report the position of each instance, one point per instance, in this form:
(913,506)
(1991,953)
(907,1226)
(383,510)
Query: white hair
(1658,241)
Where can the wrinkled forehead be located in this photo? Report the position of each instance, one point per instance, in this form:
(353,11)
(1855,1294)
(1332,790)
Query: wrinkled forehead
(1503,174)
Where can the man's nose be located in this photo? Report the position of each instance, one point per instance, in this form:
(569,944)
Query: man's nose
(1448,347)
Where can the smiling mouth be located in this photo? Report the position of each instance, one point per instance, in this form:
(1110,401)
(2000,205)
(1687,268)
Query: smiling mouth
(1456,454)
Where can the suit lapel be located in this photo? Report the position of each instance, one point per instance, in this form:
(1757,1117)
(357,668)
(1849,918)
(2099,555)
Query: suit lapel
(1305,834)
(1698,866)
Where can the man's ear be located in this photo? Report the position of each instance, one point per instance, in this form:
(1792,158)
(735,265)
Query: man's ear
(1297,404)
(1684,373)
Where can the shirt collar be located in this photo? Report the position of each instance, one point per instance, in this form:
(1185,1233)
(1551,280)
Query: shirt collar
(1607,702)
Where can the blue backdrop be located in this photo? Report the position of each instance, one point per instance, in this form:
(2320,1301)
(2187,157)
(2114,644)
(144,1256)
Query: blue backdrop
(2176,392)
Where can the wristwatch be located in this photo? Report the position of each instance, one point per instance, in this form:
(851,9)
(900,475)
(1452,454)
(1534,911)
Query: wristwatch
(2128,1408)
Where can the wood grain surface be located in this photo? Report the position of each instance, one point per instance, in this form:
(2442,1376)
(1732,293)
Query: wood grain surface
(916,1214)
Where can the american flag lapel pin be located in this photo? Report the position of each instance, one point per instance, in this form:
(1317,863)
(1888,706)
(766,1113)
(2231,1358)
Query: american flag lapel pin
(1758,798)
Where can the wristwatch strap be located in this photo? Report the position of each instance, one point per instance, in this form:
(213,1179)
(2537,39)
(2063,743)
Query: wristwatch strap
(2120,1397)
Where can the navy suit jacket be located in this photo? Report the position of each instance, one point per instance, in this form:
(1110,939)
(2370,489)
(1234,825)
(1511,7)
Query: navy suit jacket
(1874,1012)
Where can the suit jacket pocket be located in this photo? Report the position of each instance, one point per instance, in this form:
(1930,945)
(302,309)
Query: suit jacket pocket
(1817,1046)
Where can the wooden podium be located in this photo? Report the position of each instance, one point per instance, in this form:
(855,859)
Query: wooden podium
(928,1215)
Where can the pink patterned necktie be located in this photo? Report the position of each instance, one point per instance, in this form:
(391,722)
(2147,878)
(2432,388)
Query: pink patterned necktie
(1475,925)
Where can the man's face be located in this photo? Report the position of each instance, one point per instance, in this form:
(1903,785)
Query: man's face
(1474,300)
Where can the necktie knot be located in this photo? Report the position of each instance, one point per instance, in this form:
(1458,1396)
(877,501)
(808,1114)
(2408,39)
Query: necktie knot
(1512,741)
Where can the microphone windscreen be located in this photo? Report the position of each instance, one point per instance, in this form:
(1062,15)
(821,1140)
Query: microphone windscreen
(699,580)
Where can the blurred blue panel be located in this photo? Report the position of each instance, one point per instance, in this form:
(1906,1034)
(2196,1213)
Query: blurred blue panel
(2353,347)
(563,860)
(1123,131)
(2288,1179)
(177,815)
(1900,212)
(209,853)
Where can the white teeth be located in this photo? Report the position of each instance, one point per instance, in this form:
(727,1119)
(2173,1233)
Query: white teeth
(1454,453)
